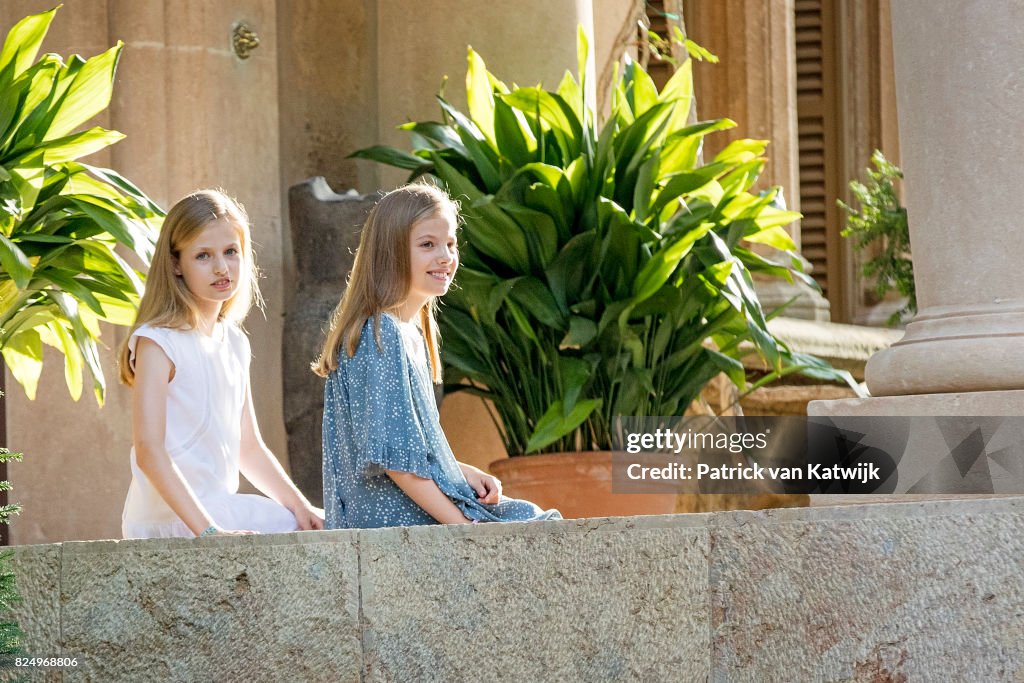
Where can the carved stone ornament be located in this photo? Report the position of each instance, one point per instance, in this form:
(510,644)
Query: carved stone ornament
(244,40)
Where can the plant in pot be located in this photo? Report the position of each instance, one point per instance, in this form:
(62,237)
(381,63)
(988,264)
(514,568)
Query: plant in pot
(605,269)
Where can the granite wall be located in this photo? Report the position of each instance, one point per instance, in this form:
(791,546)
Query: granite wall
(897,592)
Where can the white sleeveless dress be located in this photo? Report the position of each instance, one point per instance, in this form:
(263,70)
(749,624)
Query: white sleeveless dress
(205,400)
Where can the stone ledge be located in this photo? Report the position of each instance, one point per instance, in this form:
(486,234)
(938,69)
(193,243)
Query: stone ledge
(904,591)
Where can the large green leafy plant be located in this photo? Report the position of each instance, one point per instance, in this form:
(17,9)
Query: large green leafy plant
(61,220)
(605,270)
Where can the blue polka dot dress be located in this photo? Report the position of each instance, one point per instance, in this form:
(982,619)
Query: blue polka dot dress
(380,414)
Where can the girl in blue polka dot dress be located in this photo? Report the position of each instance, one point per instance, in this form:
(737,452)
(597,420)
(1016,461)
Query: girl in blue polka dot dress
(386,461)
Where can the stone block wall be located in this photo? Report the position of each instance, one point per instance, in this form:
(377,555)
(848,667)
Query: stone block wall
(896,592)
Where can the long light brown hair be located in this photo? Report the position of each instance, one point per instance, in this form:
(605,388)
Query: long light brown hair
(380,277)
(167,301)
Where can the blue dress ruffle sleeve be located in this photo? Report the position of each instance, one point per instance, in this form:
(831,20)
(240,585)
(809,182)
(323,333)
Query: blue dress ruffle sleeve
(380,414)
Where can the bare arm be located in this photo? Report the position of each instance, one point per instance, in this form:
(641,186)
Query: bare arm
(261,468)
(153,372)
(426,494)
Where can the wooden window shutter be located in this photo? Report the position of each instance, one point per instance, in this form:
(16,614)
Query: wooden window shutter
(818,134)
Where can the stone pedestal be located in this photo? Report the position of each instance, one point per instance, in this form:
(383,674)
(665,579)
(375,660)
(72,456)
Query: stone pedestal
(979,403)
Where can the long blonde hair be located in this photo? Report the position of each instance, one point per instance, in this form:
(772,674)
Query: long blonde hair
(380,277)
(167,301)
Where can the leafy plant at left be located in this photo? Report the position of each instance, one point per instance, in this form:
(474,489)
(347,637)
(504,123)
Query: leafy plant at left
(61,220)
(10,632)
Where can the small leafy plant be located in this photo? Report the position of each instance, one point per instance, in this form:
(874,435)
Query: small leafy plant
(10,633)
(605,270)
(61,221)
(881,221)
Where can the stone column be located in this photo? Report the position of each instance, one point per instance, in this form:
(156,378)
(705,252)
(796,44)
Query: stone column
(960,93)
(962,144)
(755,85)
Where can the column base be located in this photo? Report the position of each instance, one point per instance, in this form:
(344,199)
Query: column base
(954,349)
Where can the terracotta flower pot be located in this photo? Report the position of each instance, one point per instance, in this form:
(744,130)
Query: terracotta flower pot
(578,484)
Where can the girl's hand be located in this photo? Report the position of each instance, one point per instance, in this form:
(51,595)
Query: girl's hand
(487,486)
(227,532)
(309,518)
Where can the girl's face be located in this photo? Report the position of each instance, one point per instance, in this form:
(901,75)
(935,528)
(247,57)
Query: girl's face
(433,258)
(211,263)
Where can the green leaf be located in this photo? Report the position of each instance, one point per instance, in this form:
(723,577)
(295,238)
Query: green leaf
(42,88)
(118,312)
(121,183)
(536,298)
(555,424)
(640,89)
(680,151)
(513,138)
(581,332)
(77,288)
(388,155)
(15,263)
(573,375)
(439,134)
(682,184)
(773,237)
(741,151)
(84,342)
(27,179)
(555,112)
(88,94)
(479,95)
(476,144)
(663,263)
(82,144)
(571,92)
(770,217)
(730,366)
(122,229)
(582,57)
(568,272)
(23,41)
(72,359)
(539,229)
(23,354)
(679,90)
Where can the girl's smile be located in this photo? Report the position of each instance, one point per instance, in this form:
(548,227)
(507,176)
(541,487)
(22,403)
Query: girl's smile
(433,260)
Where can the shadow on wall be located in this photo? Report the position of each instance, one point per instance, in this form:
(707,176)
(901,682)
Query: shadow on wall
(325,233)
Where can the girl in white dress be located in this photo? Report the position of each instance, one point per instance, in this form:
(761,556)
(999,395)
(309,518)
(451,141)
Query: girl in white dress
(187,361)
